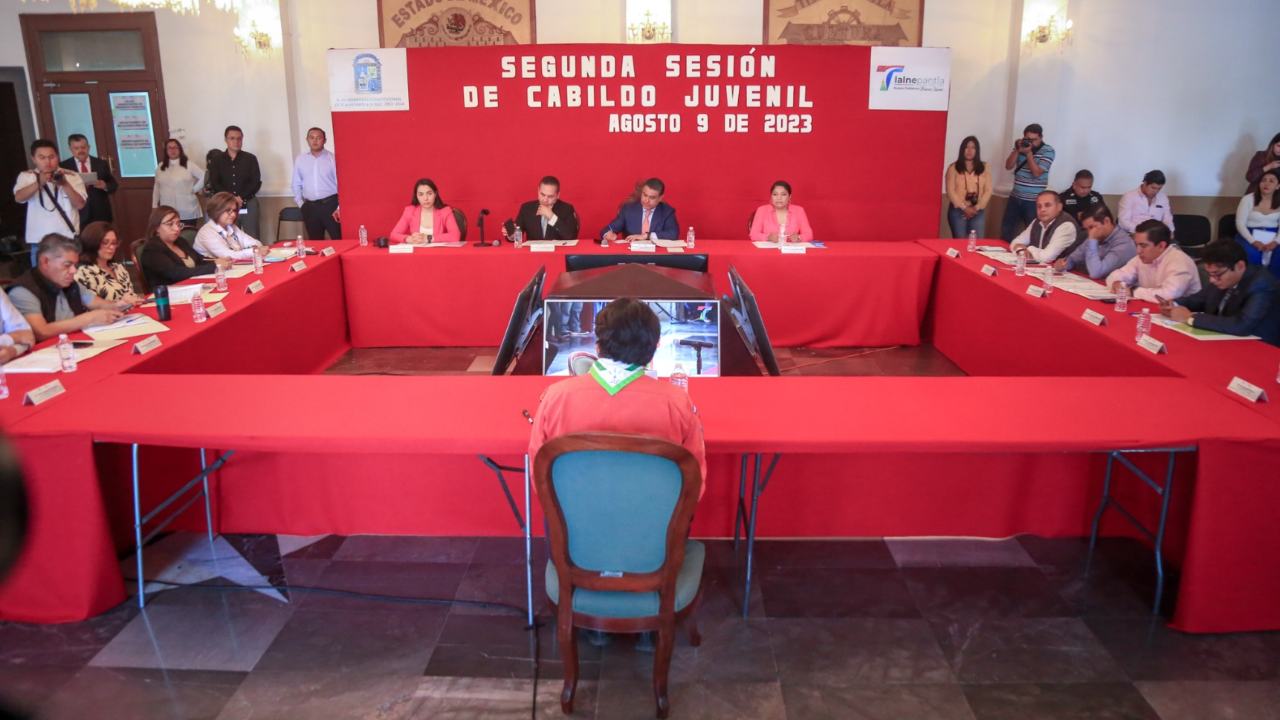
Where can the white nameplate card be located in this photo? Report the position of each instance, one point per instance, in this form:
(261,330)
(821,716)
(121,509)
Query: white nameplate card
(298,266)
(1035,291)
(1247,390)
(142,347)
(952,252)
(675,249)
(401,249)
(328,251)
(255,287)
(989,270)
(542,247)
(216,309)
(790,249)
(1093,317)
(47,391)
(643,246)
(1151,345)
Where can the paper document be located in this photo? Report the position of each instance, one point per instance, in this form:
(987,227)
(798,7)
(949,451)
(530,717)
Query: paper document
(1075,284)
(280,254)
(182,294)
(132,325)
(439,244)
(234,272)
(662,243)
(47,360)
(999,254)
(1197,333)
(767,245)
(89,178)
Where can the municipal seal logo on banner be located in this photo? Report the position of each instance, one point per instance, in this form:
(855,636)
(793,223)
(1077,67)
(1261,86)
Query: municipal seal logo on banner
(368,80)
(909,79)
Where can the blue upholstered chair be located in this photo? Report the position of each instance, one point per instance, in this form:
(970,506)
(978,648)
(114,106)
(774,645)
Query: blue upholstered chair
(618,510)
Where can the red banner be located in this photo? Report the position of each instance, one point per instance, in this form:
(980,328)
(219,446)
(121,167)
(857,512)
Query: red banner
(717,123)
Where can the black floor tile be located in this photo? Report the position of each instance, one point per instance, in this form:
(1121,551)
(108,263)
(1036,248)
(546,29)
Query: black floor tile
(1093,701)
(835,593)
(1025,650)
(984,592)
(1150,650)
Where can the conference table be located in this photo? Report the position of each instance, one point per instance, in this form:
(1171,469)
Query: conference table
(995,454)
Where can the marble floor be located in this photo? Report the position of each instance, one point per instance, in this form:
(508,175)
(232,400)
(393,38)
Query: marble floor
(429,628)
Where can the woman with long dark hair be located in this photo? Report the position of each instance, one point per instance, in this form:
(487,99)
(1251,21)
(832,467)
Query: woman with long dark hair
(1263,161)
(178,180)
(968,189)
(98,270)
(166,257)
(426,219)
(1258,222)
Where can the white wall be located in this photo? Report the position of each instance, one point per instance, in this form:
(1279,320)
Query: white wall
(729,23)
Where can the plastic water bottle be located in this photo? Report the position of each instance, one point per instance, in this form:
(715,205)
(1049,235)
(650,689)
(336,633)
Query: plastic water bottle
(4,385)
(604,241)
(518,237)
(782,232)
(973,241)
(679,378)
(688,239)
(257,264)
(1122,299)
(364,237)
(66,354)
(301,247)
(1144,325)
(1048,281)
(1020,265)
(220,278)
(198,313)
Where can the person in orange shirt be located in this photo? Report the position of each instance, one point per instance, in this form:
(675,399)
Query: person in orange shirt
(616,395)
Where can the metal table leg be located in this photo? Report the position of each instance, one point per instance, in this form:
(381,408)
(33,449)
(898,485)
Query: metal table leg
(758,484)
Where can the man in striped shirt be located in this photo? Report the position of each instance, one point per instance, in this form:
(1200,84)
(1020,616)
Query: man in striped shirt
(1030,161)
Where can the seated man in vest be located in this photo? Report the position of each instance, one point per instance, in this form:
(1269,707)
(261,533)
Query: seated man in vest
(616,396)
(1161,271)
(49,297)
(1051,235)
(1241,299)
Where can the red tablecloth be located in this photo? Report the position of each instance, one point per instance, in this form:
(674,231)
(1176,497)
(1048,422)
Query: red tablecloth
(463,296)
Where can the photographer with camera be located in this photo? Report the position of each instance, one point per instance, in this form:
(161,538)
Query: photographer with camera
(53,197)
(1030,160)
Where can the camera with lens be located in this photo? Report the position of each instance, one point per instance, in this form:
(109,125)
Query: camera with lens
(1024,143)
(57,176)
(971,198)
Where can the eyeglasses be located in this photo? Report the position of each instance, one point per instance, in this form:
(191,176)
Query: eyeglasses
(1217,275)
(177,223)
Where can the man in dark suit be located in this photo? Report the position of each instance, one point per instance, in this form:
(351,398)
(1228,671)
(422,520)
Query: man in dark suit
(637,220)
(98,204)
(1240,299)
(547,218)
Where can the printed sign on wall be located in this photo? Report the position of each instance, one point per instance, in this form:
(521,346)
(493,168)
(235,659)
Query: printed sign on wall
(909,79)
(368,80)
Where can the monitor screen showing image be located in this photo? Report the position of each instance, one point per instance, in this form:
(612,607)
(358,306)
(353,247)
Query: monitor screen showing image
(689,328)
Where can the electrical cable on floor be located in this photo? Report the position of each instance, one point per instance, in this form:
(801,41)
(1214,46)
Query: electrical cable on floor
(534,628)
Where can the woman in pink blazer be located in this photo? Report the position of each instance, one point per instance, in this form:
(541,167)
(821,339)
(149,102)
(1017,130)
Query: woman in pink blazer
(427,217)
(770,218)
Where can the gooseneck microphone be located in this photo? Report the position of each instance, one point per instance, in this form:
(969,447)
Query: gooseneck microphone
(480,224)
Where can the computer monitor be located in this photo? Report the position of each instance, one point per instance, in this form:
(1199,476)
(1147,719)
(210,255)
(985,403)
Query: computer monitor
(690,335)
(745,313)
(525,315)
(684,261)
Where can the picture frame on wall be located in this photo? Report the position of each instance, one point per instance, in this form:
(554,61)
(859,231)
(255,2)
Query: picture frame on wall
(411,25)
(844,22)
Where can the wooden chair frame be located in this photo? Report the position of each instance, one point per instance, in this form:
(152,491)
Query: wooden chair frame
(662,581)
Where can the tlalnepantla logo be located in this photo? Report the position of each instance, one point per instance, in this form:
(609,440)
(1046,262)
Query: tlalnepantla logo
(909,78)
(896,77)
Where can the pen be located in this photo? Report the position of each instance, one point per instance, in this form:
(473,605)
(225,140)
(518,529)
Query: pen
(527,416)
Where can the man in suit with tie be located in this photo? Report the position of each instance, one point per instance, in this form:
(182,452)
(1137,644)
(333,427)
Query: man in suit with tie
(98,205)
(547,218)
(1240,299)
(637,220)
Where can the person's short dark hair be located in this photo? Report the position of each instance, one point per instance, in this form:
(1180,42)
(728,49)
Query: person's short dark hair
(780,184)
(91,238)
(1099,212)
(1223,253)
(550,180)
(656,185)
(227,132)
(319,130)
(1155,177)
(1034,129)
(627,330)
(56,244)
(1084,175)
(1056,195)
(76,137)
(13,509)
(42,143)
(1156,231)
(431,184)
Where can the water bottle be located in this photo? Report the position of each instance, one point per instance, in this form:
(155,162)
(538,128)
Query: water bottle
(1144,325)
(301,247)
(66,353)
(973,241)
(518,237)
(220,278)
(1020,265)
(198,313)
(163,311)
(364,237)
(4,385)
(782,232)
(688,240)
(1048,281)
(679,378)
(257,263)
(1122,299)
(604,241)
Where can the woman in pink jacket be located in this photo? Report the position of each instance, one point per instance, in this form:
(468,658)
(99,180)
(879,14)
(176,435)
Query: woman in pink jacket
(427,219)
(779,214)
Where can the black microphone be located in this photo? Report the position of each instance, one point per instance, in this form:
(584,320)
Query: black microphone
(480,224)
